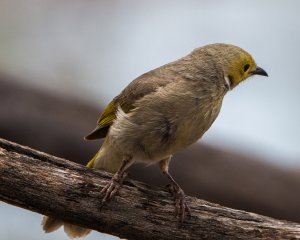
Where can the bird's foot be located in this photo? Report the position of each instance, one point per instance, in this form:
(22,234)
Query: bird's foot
(111,189)
(181,208)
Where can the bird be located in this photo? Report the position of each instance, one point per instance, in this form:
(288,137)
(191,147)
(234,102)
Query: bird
(161,112)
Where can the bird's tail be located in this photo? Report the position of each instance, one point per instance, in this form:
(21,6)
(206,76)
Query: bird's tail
(51,224)
(108,159)
(73,231)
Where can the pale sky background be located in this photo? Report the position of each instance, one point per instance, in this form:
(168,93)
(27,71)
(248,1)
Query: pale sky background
(93,49)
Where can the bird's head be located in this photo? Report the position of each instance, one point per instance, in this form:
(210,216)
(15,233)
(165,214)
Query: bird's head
(237,64)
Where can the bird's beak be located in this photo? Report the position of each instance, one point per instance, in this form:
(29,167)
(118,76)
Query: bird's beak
(260,71)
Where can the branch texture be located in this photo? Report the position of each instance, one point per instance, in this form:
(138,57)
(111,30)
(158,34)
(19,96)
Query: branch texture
(56,187)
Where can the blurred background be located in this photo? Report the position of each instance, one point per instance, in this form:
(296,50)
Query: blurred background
(62,61)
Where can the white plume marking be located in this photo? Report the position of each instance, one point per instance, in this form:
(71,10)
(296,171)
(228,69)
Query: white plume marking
(227,82)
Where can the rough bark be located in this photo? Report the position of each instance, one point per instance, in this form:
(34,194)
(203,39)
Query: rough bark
(53,186)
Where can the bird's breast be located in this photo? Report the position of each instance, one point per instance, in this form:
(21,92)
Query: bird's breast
(193,125)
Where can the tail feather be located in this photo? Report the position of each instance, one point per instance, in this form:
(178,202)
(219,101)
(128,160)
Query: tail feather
(74,231)
(51,224)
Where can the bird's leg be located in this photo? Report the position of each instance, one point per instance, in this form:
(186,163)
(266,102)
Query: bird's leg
(180,204)
(181,207)
(116,181)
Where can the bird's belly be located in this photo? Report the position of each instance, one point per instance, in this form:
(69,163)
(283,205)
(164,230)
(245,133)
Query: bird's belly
(150,136)
(192,129)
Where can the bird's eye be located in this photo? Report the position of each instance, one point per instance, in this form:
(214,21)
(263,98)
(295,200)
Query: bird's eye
(246,67)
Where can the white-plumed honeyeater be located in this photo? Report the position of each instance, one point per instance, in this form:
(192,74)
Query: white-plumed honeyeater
(162,112)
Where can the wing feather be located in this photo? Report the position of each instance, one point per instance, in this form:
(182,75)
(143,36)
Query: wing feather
(138,88)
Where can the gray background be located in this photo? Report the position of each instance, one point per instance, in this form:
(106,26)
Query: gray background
(93,49)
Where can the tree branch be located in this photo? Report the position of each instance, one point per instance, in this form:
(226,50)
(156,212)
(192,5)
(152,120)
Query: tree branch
(53,186)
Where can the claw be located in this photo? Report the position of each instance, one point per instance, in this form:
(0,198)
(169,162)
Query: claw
(181,207)
(112,188)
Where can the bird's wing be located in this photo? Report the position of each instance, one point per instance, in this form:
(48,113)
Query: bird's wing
(137,89)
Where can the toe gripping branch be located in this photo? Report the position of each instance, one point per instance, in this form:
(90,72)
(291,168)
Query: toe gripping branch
(116,182)
(181,207)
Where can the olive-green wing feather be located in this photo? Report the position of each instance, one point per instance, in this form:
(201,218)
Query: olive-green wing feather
(103,123)
(138,88)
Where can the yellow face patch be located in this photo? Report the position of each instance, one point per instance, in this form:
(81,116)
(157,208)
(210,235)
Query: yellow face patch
(239,69)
